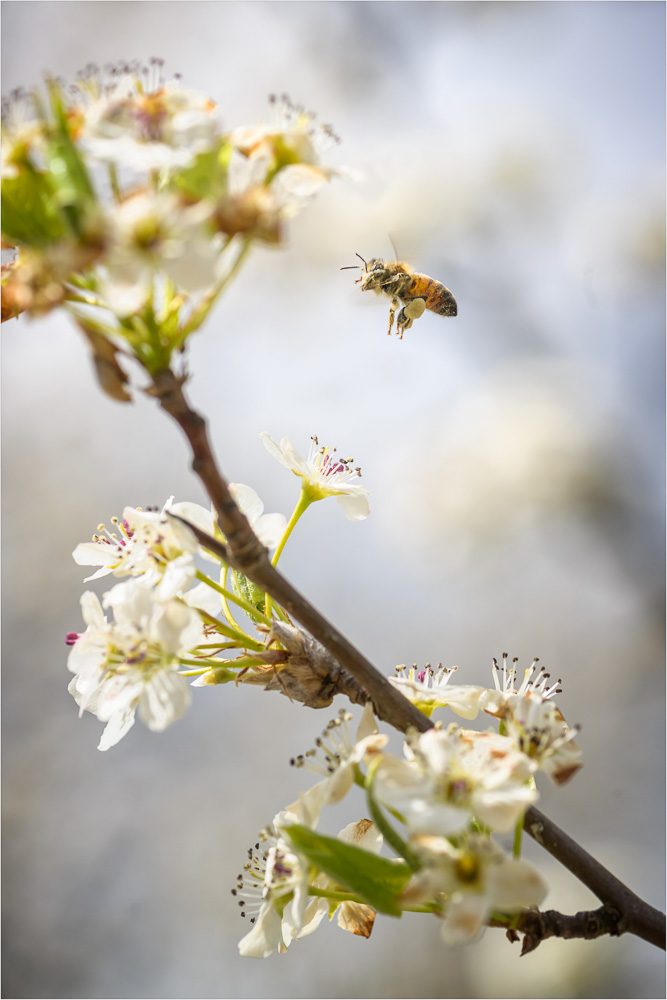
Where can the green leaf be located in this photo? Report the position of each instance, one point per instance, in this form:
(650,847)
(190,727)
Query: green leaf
(30,216)
(378,881)
(248,591)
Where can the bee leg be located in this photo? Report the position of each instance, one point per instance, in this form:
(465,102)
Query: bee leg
(411,311)
(403,323)
(392,312)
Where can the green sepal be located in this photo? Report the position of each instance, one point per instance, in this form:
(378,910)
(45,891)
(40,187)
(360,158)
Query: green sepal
(249,591)
(376,880)
(206,177)
(74,188)
(221,675)
(30,216)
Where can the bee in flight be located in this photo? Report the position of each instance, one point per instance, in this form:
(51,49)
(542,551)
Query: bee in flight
(410,292)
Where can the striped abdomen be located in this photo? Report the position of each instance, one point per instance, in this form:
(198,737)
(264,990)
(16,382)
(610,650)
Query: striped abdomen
(438,299)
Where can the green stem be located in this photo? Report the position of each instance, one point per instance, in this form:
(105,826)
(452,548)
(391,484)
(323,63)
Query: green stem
(390,835)
(518,831)
(206,663)
(302,504)
(242,640)
(250,609)
(113,181)
(217,645)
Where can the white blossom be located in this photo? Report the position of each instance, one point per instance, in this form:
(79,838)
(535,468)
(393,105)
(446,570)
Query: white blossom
(537,728)
(288,154)
(323,474)
(429,689)
(532,721)
(132,663)
(162,126)
(273,888)
(150,544)
(505,677)
(472,880)
(452,775)
(337,754)
(153,233)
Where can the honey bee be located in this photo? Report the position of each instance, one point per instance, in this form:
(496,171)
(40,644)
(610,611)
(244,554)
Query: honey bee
(410,292)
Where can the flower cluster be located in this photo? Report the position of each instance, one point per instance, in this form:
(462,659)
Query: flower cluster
(131,206)
(172,620)
(452,790)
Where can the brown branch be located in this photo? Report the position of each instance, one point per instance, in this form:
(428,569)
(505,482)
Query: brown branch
(636,916)
(245,553)
(537,926)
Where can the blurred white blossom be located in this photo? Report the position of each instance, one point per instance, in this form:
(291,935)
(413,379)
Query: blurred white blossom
(474,878)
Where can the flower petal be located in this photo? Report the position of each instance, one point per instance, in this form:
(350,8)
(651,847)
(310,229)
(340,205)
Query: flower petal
(355,505)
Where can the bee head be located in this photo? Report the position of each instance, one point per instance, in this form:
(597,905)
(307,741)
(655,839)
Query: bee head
(351,267)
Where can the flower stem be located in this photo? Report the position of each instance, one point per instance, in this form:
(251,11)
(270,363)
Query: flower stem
(250,609)
(302,504)
(390,835)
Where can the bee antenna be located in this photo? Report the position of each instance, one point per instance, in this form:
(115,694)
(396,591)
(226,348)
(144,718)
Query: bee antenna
(351,267)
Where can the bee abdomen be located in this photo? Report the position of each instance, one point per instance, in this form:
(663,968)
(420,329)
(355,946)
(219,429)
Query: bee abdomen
(438,299)
(444,302)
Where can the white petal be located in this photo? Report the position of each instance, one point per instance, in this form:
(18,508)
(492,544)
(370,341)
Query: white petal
(296,462)
(364,834)
(465,917)
(513,884)
(164,700)
(270,528)
(426,816)
(91,609)
(113,695)
(274,449)
(201,517)
(205,598)
(265,935)
(367,723)
(312,918)
(300,180)
(501,810)
(178,576)
(176,627)
(248,501)
(88,654)
(95,554)
(118,725)
(355,505)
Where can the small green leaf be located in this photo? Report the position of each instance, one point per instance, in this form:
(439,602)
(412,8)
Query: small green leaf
(248,591)
(30,216)
(378,881)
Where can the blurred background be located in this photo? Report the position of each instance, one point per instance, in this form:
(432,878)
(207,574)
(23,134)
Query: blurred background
(514,151)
